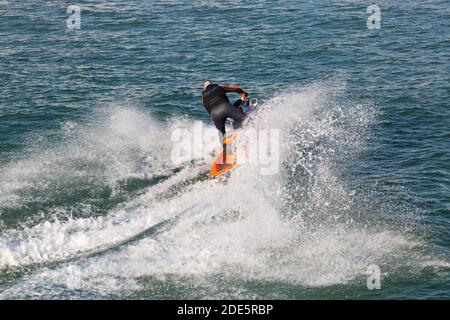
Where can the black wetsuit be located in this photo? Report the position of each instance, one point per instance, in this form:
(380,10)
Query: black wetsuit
(218,105)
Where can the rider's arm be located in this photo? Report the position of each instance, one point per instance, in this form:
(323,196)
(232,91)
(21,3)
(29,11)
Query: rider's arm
(243,93)
(232,89)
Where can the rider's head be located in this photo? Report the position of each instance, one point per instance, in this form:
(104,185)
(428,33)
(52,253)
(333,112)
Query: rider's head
(206,83)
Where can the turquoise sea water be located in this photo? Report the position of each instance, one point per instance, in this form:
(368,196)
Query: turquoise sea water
(91,205)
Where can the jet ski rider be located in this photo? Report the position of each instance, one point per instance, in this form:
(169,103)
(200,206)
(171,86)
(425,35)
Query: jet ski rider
(218,106)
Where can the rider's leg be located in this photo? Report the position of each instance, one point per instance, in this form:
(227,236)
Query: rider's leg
(219,117)
(237,115)
(238,104)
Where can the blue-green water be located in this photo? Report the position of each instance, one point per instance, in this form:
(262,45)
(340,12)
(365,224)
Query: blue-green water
(91,205)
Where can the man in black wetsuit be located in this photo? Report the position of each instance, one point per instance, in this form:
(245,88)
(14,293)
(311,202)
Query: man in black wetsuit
(216,102)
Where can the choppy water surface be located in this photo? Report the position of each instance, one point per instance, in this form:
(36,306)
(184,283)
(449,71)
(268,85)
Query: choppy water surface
(91,206)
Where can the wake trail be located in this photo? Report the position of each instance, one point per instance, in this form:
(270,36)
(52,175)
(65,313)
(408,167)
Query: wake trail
(310,225)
